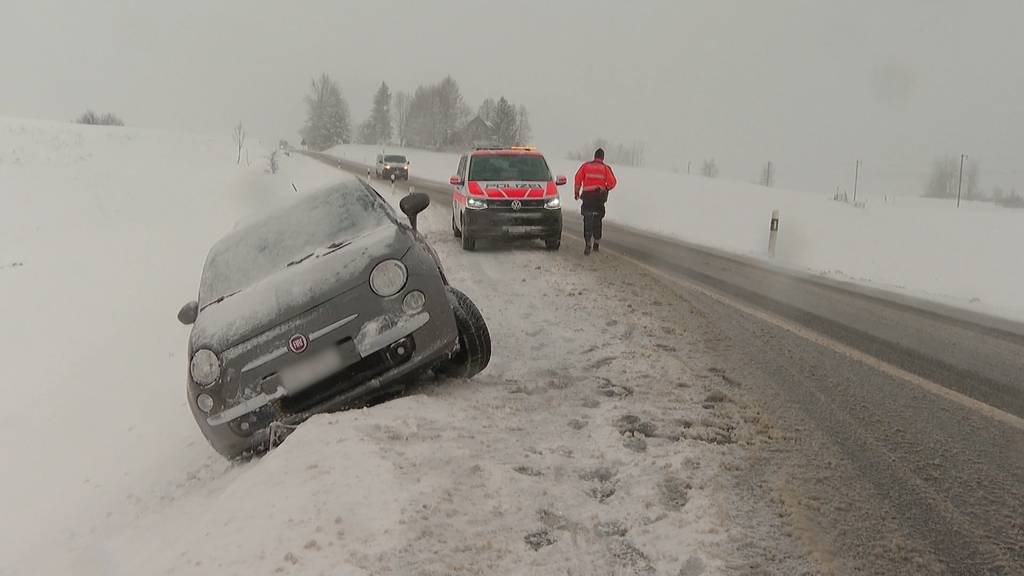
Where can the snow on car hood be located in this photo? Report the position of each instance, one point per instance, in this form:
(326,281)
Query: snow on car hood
(295,289)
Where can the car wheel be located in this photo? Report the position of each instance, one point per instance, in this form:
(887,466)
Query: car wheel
(553,244)
(455,229)
(468,242)
(474,350)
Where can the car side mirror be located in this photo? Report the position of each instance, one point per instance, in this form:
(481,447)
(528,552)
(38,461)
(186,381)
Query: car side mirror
(188,313)
(560,181)
(455,181)
(413,204)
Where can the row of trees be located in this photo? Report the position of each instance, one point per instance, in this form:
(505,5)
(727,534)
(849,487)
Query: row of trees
(95,119)
(627,155)
(430,117)
(944,179)
(510,123)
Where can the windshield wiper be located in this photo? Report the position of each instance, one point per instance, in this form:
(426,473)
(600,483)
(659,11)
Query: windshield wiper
(219,299)
(334,246)
(300,260)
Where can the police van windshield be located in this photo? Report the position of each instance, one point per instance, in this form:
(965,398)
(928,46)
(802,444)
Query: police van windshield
(395,159)
(503,167)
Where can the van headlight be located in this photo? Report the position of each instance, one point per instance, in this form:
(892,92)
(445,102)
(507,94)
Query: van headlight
(388,278)
(205,367)
(476,203)
(553,203)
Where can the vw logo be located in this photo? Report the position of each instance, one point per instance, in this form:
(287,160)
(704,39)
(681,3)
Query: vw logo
(298,343)
(516,204)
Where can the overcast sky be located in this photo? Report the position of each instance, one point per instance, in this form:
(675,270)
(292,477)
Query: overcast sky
(811,85)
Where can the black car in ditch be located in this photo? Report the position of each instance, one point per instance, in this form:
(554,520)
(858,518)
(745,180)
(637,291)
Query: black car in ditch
(325,304)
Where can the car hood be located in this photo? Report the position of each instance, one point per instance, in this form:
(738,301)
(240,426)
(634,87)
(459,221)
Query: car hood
(295,290)
(512,189)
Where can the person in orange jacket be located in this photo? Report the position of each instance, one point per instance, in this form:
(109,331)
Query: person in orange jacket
(593,181)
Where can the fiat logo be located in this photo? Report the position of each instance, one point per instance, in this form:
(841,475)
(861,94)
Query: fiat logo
(298,343)
(516,204)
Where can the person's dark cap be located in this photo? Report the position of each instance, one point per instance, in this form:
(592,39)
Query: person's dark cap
(599,154)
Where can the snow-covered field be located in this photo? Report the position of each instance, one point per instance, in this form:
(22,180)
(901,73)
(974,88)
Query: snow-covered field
(596,442)
(968,257)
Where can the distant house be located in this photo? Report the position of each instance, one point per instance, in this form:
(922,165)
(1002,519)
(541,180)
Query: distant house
(476,132)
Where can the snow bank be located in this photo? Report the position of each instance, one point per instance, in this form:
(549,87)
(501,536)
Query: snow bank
(968,256)
(103,233)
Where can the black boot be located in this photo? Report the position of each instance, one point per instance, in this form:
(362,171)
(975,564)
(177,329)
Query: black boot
(597,246)
(586,251)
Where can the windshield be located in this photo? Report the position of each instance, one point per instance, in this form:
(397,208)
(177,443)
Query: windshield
(395,159)
(330,217)
(508,167)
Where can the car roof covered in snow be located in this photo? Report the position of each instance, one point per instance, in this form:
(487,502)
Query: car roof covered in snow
(319,220)
(505,151)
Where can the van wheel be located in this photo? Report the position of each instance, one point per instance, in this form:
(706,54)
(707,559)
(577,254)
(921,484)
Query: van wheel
(455,229)
(474,351)
(553,244)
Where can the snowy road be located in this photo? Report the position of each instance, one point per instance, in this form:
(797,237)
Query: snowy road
(899,421)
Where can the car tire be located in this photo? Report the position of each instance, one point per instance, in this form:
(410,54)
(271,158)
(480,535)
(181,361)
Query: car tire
(553,244)
(468,242)
(455,229)
(474,351)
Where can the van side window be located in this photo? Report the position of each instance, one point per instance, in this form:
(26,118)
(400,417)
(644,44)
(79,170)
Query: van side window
(462,169)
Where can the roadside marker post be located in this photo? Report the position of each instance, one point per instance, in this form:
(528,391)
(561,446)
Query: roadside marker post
(773,233)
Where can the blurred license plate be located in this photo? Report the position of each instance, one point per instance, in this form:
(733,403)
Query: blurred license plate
(312,369)
(519,229)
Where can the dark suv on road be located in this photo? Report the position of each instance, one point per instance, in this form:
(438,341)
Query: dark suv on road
(506,193)
(389,165)
(325,304)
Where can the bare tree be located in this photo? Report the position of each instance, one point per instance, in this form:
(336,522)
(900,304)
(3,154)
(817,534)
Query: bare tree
(238,135)
(505,122)
(632,155)
(523,130)
(944,179)
(274,162)
(401,110)
(709,169)
(92,118)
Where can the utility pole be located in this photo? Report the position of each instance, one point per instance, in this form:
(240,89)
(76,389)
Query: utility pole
(856,180)
(687,166)
(960,181)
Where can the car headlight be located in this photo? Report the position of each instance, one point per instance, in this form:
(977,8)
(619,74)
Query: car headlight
(476,203)
(205,367)
(205,403)
(388,278)
(414,302)
(553,203)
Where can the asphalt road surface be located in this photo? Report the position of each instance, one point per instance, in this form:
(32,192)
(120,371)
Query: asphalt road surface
(900,422)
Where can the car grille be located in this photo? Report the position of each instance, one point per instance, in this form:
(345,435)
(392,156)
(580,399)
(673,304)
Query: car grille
(506,204)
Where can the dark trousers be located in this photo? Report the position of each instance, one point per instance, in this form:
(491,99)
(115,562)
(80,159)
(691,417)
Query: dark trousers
(593,213)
